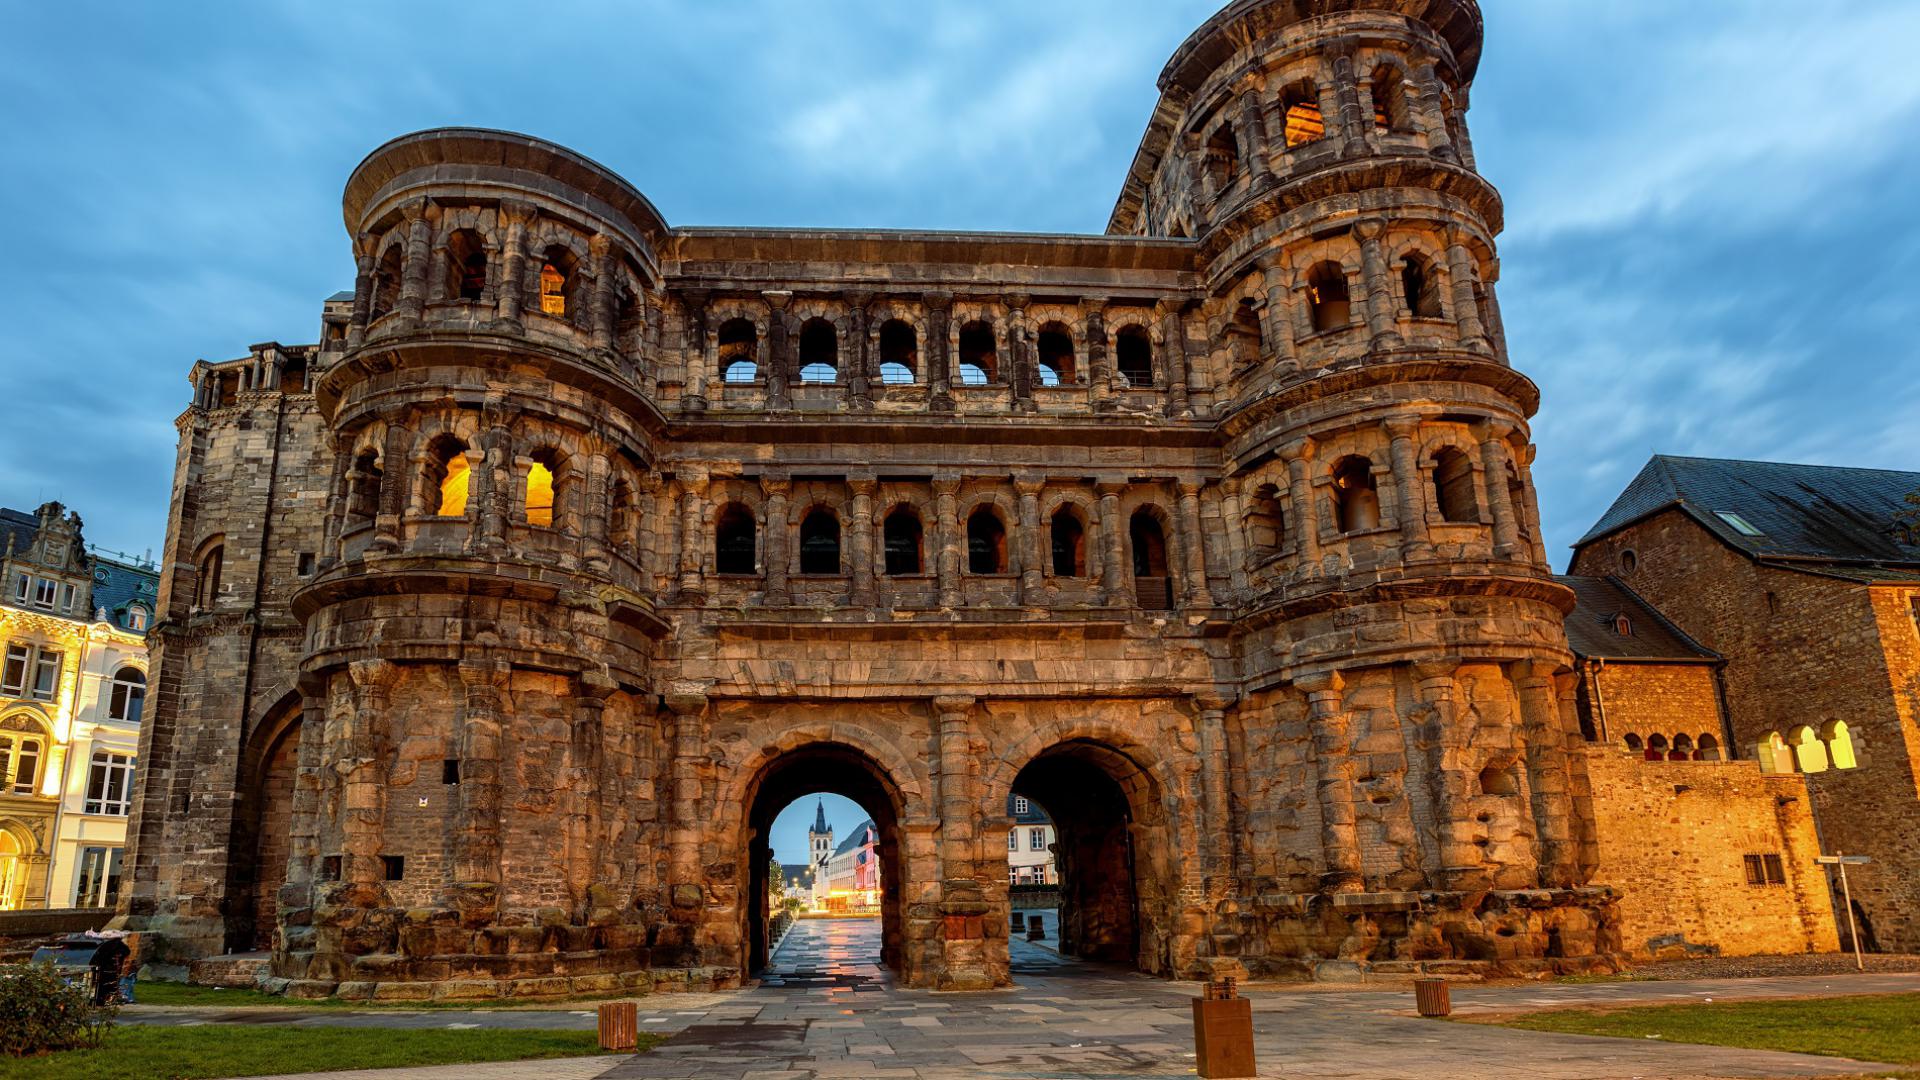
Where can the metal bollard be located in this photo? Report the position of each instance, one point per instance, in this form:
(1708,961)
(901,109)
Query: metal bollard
(619,1026)
(1432,998)
(1223,1033)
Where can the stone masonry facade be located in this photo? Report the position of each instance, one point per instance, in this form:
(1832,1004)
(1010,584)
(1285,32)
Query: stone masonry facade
(580,545)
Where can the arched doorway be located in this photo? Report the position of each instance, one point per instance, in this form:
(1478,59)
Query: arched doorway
(16,845)
(793,775)
(262,829)
(1109,850)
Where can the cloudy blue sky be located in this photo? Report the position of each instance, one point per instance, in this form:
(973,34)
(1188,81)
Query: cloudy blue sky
(1708,251)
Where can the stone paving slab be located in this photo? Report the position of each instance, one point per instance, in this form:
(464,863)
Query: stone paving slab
(584,1068)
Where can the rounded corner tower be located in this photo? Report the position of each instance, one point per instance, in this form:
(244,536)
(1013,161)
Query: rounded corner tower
(590,543)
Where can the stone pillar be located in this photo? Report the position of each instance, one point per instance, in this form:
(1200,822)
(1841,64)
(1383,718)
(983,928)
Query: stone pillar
(1333,778)
(1116,583)
(596,557)
(513,274)
(860,546)
(1462,140)
(695,356)
(1195,155)
(586,789)
(773,545)
(1233,523)
(600,301)
(1416,542)
(1462,866)
(947,538)
(1099,365)
(1493,460)
(1019,356)
(860,380)
(336,508)
(420,217)
(1423,101)
(693,515)
(395,479)
(688,810)
(1192,546)
(1219,836)
(478,747)
(780,357)
(1031,549)
(1353,122)
(964,909)
(939,366)
(1303,511)
(1380,316)
(1547,773)
(1529,508)
(1257,148)
(647,548)
(492,483)
(1279,316)
(362,290)
(1466,308)
(1173,334)
(363,773)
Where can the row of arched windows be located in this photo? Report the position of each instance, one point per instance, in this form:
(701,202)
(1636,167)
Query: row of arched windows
(1806,749)
(1355,498)
(1330,302)
(1681,747)
(978,358)
(1303,121)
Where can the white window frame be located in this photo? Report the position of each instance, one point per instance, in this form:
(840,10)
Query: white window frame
(122,692)
(67,595)
(12,682)
(110,784)
(46,675)
(1020,804)
(1013,839)
(13,745)
(1037,838)
(97,870)
(21,587)
(136,617)
(43,592)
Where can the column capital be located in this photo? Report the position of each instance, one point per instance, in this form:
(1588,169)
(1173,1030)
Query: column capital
(946,705)
(1215,700)
(1493,430)
(1190,488)
(594,686)
(937,300)
(1370,229)
(863,485)
(1026,487)
(1299,449)
(1110,488)
(1436,675)
(946,484)
(484,673)
(373,674)
(777,299)
(516,212)
(685,703)
(599,244)
(1321,684)
(776,485)
(1404,425)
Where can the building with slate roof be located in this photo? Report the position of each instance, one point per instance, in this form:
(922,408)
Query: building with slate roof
(1804,582)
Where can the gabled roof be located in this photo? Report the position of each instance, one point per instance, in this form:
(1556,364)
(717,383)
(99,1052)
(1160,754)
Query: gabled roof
(856,837)
(1816,512)
(1598,601)
(117,586)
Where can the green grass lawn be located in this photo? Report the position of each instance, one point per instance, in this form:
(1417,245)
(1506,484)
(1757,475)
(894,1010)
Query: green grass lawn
(1867,1028)
(173,993)
(138,1052)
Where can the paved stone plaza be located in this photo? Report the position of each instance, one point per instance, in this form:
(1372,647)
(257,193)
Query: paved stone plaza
(826,1009)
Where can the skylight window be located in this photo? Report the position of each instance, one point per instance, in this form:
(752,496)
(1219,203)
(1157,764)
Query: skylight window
(1740,525)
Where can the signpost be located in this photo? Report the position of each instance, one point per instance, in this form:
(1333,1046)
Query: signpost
(1846,895)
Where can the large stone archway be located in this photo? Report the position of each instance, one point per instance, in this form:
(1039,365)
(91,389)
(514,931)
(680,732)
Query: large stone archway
(262,834)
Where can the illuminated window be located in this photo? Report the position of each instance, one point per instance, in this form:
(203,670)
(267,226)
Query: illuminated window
(1300,104)
(129,695)
(46,674)
(448,476)
(553,291)
(1623,625)
(1356,502)
(540,491)
(136,618)
(1774,755)
(110,784)
(1839,743)
(1327,297)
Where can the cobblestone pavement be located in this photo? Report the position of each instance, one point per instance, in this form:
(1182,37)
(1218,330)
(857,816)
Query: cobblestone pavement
(827,1009)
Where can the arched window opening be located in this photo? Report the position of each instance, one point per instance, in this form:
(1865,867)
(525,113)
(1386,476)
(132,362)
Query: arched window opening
(1774,755)
(210,566)
(466,265)
(1809,754)
(1069,536)
(979,359)
(819,353)
(447,476)
(1682,748)
(363,486)
(129,695)
(1150,581)
(1300,105)
(902,534)
(23,742)
(1706,748)
(1629,562)
(543,488)
(1223,157)
(1327,297)
(1055,348)
(820,542)
(557,280)
(1839,744)
(733,541)
(1656,748)
(629,319)
(1356,502)
(1633,743)
(899,353)
(739,348)
(1266,524)
(386,284)
(1390,112)
(986,543)
(1453,486)
(1133,356)
(1495,780)
(1420,287)
(1245,338)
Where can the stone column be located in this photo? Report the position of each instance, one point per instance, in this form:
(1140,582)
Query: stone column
(1462,139)
(513,274)
(694,352)
(1173,333)
(860,547)
(596,557)
(1529,508)
(1493,460)
(363,772)
(1019,356)
(1353,122)
(1416,542)
(1279,316)
(963,901)
(1192,546)
(779,350)
(1380,316)
(1423,101)
(1219,835)
(395,479)
(600,301)
(1460,279)
(693,515)
(1461,864)
(1195,155)
(1032,559)
(336,507)
(946,491)
(646,498)
(420,217)
(1303,512)
(303,825)
(939,366)
(860,379)
(586,788)
(492,484)
(1116,583)
(1547,773)
(1257,148)
(773,545)
(688,810)
(478,747)
(362,290)
(1233,527)
(1333,777)
(1099,366)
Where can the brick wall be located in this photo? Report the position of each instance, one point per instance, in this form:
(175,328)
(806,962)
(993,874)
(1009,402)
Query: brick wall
(1646,699)
(1673,840)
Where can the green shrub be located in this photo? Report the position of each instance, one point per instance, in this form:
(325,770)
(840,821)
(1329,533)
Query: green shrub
(40,1012)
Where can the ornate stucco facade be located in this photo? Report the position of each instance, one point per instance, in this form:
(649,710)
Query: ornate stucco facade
(498,625)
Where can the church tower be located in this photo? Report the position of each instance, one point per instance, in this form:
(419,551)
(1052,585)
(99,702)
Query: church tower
(820,837)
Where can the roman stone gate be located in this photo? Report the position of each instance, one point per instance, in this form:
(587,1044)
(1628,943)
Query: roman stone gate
(501,621)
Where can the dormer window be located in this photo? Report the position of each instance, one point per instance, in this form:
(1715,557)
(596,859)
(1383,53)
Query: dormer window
(1623,625)
(136,618)
(1740,525)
